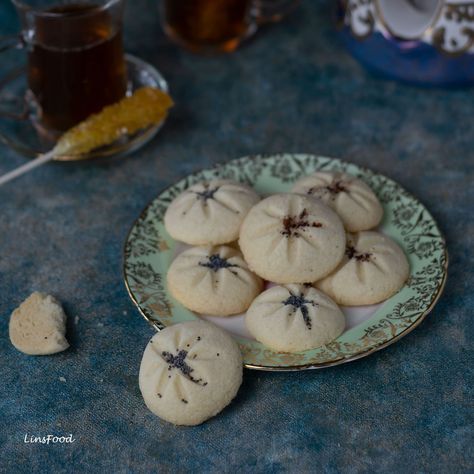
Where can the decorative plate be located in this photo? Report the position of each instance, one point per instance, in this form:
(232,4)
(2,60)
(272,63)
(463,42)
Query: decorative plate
(149,251)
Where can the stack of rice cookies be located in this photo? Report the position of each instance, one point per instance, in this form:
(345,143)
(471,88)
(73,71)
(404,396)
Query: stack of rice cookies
(287,261)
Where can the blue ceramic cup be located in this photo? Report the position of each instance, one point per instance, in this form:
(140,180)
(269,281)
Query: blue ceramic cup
(428,42)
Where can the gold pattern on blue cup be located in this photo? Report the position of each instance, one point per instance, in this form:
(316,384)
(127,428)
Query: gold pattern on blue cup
(447,25)
(422,41)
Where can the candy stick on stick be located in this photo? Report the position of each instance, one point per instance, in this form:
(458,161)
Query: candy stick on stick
(147,106)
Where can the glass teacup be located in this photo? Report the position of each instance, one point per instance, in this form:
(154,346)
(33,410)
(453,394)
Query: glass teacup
(75,61)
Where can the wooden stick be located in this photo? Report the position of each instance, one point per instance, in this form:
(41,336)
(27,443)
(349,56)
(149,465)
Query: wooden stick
(27,167)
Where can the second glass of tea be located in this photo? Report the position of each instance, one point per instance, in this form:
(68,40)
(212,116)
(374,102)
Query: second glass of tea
(76,62)
(208,26)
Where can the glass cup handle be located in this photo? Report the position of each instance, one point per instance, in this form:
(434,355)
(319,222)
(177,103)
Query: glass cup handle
(11,107)
(271,11)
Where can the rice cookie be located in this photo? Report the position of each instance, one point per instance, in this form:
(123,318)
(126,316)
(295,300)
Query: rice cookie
(38,326)
(190,372)
(373,269)
(294,318)
(213,280)
(291,238)
(355,203)
(209,213)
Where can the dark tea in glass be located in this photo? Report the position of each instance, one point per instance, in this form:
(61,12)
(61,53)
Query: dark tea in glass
(75,60)
(218,25)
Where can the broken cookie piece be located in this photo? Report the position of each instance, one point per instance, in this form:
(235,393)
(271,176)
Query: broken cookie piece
(38,326)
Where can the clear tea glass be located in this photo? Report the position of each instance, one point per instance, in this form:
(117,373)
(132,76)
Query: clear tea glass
(207,26)
(76,61)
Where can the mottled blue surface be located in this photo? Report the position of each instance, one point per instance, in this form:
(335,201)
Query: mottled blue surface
(292,88)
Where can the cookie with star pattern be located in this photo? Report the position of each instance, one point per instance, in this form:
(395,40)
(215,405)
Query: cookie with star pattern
(373,269)
(294,318)
(190,372)
(292,238)
(209,213)
(213,280)
(354,202)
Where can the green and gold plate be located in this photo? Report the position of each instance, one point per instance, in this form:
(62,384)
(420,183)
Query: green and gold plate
(149,250)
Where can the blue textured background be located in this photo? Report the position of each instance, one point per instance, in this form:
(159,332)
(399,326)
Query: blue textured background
(292,88)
